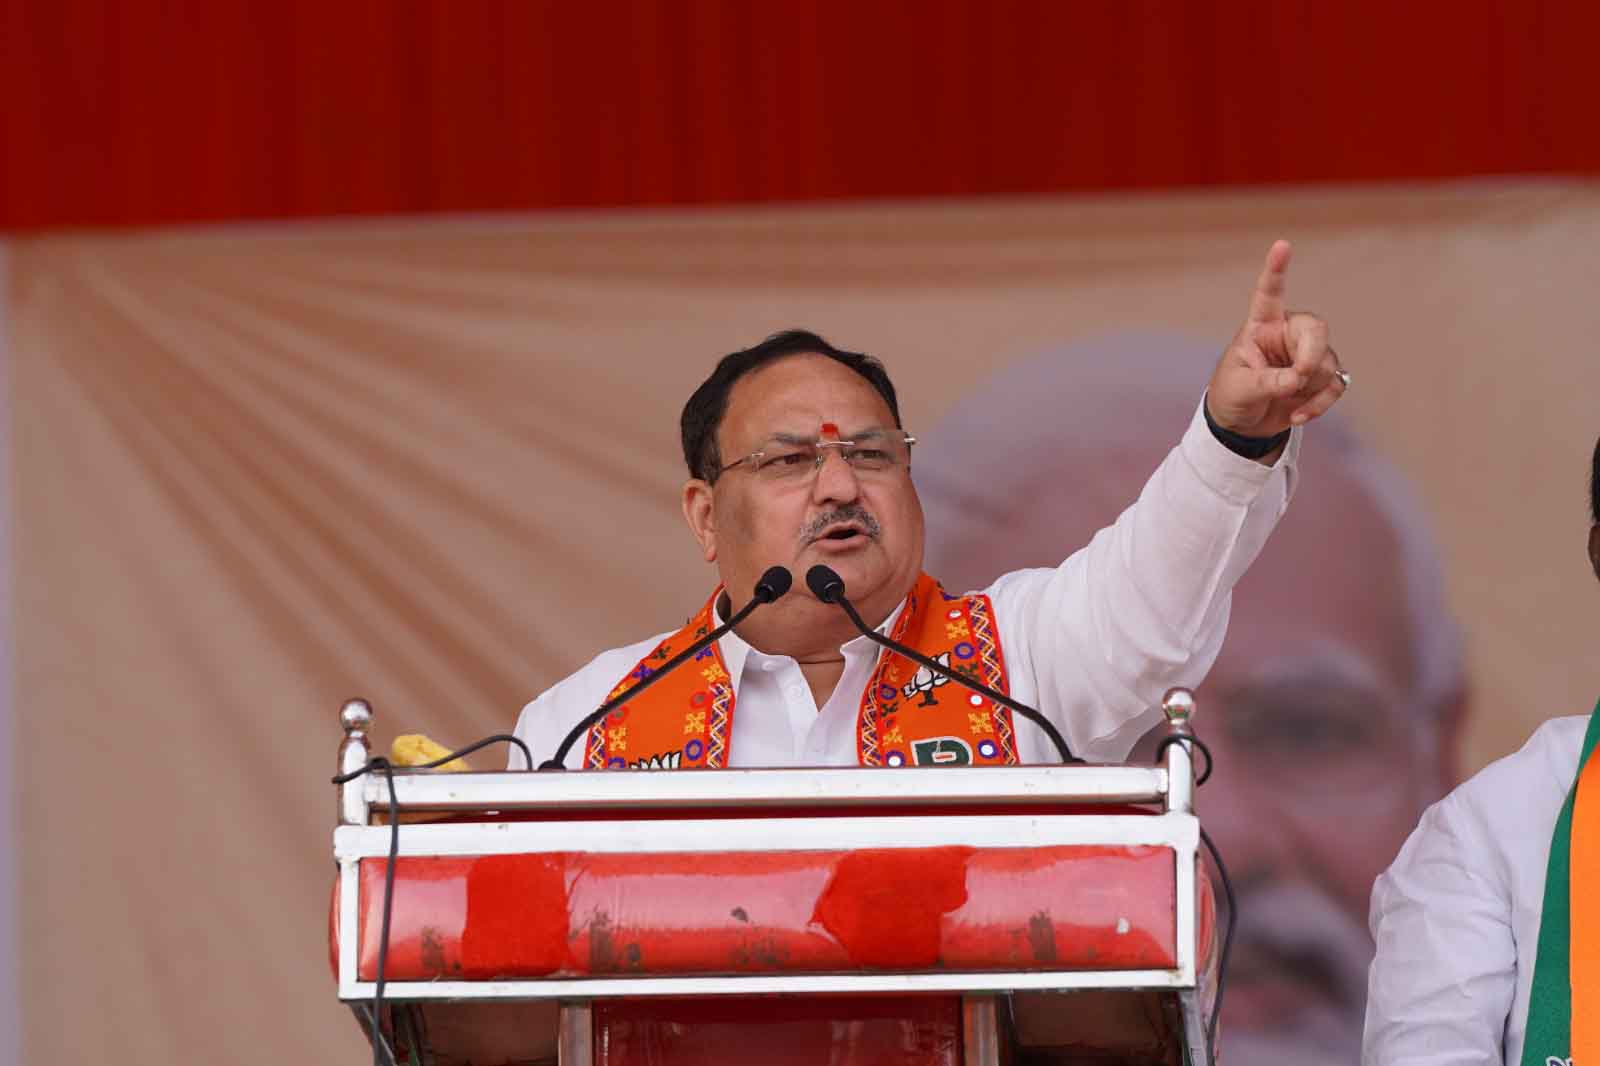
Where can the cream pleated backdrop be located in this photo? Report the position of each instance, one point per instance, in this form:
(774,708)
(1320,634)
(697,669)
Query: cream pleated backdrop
(435,463)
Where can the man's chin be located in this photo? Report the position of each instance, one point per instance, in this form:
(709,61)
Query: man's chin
(858,561)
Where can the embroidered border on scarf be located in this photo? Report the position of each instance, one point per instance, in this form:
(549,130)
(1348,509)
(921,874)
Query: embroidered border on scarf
(909,716)
(698,739)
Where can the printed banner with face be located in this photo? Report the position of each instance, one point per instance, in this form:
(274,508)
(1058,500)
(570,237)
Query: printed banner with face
(436,464)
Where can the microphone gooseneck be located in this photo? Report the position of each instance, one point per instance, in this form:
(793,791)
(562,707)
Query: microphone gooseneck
(773,584)
(826,585)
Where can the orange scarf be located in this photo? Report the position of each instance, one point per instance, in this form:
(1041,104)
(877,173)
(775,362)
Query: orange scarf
(908,716)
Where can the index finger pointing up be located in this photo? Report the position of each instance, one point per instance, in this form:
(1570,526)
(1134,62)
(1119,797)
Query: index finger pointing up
(1266,303)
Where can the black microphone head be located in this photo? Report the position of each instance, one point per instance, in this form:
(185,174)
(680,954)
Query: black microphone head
(825,584)
(773,584)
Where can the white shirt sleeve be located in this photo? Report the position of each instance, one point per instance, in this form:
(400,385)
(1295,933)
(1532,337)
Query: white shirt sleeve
(1442,982)
(1144,606)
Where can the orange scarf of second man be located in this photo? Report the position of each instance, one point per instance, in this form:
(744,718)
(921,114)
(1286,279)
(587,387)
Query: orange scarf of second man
(908,715)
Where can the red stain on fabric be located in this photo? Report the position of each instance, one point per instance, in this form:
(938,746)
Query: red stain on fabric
(516,916)
(885,906)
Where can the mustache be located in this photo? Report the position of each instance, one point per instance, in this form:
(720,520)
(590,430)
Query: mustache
(1295,933)
(853,512)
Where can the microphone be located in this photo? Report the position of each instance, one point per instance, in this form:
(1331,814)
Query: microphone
(773,584)
(826,585)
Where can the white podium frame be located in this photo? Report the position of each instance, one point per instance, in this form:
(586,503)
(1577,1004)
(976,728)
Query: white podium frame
(1003,807)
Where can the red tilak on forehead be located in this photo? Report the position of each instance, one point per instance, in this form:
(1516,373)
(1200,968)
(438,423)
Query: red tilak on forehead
(830,430)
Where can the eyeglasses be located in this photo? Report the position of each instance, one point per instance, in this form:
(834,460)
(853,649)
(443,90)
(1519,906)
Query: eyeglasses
(786,458)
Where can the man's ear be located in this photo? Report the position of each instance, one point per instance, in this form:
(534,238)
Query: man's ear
(701,516)
(1594,549)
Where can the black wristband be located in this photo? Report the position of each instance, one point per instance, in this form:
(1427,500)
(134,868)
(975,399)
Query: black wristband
(1239,444)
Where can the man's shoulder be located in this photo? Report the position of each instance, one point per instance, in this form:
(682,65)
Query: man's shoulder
(1552,751)
(1495,827)
(1539,775)
(1558,743)
(1013,584)
(547,718)
(591,682)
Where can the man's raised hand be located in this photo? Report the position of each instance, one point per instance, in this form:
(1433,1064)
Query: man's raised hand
(1279,371)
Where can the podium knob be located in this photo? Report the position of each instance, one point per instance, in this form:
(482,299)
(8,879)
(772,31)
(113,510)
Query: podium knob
(1178,704)
(355,716)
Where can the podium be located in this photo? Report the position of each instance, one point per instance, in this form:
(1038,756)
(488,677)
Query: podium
(1031,914)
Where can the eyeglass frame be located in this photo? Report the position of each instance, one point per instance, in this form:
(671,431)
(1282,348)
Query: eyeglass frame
(819,442)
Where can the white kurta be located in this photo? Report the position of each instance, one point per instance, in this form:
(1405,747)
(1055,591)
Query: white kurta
(1456,918)
(1093,643)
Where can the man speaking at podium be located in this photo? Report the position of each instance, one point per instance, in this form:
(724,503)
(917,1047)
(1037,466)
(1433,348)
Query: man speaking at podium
(797,458)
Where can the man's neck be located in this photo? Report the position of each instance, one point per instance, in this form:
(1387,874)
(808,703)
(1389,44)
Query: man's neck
(823,678)
(812,637)
(803,629)
(810,632)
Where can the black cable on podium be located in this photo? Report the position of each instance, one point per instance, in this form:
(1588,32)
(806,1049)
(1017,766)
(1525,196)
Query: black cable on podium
(381,1050)
(1227,885)
(775,582)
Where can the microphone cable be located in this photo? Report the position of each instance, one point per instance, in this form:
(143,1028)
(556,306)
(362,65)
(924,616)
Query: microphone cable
(1168,741)
(1227,943)
(775,581)
(381,1051)
(769,588)
(772,585)
(1227,887)
(828,587)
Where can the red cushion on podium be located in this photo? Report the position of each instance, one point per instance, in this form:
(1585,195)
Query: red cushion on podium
(501,937)
(886,907)
(894,909)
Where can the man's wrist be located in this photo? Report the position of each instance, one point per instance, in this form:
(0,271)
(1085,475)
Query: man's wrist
(1241,445)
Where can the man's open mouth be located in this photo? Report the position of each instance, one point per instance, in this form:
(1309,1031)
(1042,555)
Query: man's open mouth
(841,528)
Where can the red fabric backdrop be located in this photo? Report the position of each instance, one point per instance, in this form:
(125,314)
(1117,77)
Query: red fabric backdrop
(154,112)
